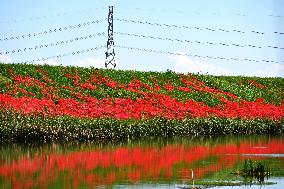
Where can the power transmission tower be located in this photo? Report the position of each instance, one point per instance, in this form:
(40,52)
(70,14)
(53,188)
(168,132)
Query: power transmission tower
(110,55)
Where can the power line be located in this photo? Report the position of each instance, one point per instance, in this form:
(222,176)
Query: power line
(191,28)
(84,24)
(30,19)
(53,44)
(72,12)
(53,30)
(198,42)
(148,51)
(218,13)
(65,54)
(195,55)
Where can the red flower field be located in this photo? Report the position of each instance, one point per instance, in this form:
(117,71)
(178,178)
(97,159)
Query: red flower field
(99,96)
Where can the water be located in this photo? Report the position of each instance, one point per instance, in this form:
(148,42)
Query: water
(149,163)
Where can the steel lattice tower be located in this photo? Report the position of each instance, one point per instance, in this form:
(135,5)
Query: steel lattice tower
(110,55)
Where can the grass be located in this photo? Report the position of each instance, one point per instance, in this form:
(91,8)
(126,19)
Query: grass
(19,128)
(251,170)
(207,184)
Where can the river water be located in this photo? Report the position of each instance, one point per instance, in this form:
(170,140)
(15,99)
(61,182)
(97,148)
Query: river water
(148,163)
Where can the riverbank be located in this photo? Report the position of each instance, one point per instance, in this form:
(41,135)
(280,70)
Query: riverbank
(49,103)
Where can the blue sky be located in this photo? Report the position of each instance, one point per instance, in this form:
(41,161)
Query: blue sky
(33,16)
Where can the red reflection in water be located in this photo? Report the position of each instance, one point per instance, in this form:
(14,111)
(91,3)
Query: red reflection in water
(129,164)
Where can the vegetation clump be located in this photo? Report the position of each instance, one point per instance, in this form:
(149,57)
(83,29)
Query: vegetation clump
(254,169)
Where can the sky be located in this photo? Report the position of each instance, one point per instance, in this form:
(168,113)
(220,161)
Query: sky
(193,48)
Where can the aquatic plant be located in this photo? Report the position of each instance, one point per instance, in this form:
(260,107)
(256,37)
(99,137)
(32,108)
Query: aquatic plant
(254,169)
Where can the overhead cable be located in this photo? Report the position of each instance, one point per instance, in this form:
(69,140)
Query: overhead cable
(53,30)
(193,27)
(195,55)
(195,41)
(52,44)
